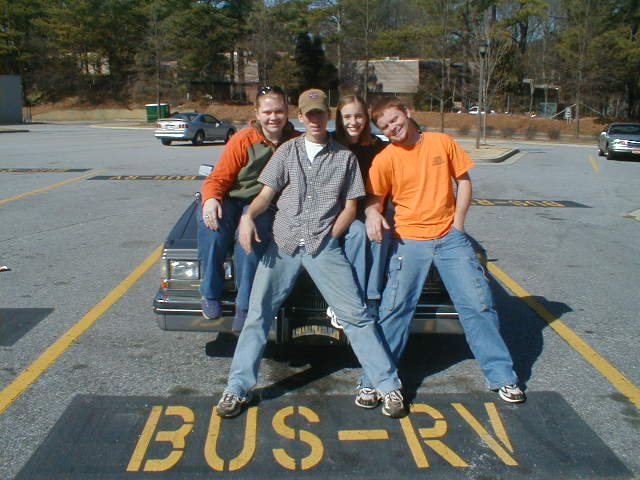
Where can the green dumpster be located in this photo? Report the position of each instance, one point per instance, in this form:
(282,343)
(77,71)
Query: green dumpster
(152,111)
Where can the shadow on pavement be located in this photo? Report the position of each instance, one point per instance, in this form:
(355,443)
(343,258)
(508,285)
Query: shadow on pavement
(424,356)
(521,327)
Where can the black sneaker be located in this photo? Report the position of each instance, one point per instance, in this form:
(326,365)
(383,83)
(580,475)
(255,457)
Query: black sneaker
(231,405)
(393,405)
(367,397)
(512,394)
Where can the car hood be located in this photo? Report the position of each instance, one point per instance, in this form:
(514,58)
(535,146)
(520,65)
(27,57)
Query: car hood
(625,136)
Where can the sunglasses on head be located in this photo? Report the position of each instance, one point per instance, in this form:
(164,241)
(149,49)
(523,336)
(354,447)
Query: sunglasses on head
(274,89)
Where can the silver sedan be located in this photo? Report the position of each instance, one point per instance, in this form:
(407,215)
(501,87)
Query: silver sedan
(193,127)
(620,139)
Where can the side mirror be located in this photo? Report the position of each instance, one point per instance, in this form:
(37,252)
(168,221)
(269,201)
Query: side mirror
(205,169)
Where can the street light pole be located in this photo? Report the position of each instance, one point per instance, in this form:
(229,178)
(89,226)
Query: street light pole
(482,50)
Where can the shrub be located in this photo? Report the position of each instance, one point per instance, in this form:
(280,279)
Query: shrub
(508,132)
(463,130)
(531,133)
(488,130)
(554,134)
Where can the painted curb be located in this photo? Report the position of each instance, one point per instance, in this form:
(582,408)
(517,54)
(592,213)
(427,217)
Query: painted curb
(498,159)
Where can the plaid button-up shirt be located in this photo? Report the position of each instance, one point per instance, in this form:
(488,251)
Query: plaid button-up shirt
(312,194)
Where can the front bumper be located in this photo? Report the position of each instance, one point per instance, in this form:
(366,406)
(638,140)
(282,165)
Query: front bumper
(294,324)
(630,149)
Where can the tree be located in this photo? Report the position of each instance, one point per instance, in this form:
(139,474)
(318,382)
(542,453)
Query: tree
(101,38)
(275,27)
(21,40)
(315,70)
(486,44)
(529,24)
(327,19)
(201,34)
(286,73)
(524,20)
(579,47)
(624,39)
(349,28)
(154,51)
(439,41)
(239,11)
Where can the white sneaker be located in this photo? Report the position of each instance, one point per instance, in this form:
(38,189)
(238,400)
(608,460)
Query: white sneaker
(231,405)
(512,394)
(335,323)
(393,405)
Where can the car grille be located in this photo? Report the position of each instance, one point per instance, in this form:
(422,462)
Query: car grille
(306,297)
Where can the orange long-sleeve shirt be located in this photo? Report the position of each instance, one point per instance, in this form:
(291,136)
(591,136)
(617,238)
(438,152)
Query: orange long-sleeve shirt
(243,158)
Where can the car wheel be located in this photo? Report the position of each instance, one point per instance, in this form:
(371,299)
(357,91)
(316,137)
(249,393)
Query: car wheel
(229,135)
(600,153)
(166,142)
(198,138)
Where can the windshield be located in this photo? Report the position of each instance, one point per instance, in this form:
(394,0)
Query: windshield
(626,129)
(185,116)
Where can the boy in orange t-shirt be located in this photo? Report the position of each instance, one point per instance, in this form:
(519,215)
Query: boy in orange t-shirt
(417,172)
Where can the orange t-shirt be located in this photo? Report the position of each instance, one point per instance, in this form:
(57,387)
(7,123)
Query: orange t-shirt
(418,181)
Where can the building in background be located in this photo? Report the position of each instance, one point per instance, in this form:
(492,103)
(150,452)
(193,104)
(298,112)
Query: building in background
(544,98)
(10,99)
(417,80)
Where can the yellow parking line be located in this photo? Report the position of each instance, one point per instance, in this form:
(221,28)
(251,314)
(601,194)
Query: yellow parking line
(611,373)
(356,435)
(594,164)
(12,391)
(43,189)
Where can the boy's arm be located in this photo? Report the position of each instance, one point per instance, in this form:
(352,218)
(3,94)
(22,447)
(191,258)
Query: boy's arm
(234,157)
(463,200)
(375,220)
(344,218)
(211,212)
(378,187)
(247,231)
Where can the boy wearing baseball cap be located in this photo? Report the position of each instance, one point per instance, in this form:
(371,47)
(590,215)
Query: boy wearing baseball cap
(319,183)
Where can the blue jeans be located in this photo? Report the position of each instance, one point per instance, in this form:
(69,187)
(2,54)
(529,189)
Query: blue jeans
(213,246)
(367,259)
(331,273)
(467,283)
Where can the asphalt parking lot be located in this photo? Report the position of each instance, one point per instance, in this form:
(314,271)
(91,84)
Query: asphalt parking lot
(90,387)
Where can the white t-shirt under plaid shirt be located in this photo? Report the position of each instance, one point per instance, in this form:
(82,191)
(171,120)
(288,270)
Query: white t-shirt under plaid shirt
(312,195)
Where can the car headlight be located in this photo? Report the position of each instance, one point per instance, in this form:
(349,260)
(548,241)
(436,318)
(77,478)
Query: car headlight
(184,270)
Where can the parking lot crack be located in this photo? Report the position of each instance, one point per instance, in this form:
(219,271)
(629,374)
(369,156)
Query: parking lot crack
(64,227)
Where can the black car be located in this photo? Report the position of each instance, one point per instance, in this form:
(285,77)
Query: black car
(302,317)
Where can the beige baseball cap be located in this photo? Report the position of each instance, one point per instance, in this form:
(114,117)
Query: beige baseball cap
(313,99)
